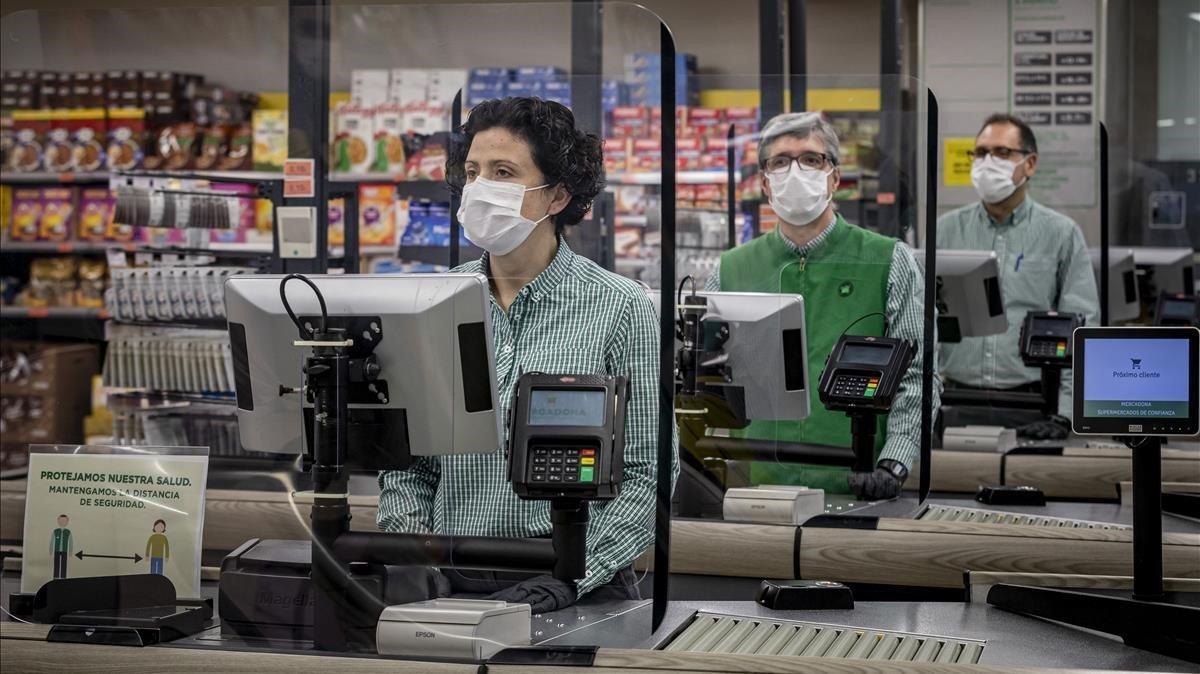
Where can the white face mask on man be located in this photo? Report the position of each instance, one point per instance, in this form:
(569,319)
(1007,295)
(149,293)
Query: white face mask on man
(800,197)
(993,178)
(490,214)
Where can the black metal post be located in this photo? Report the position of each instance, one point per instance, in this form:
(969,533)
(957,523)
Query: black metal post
(666,336)
(308,114)
(890,120)
(797,47)
(731,182)
(1051,383)
(931,167)
(1104,243)
(569,519)
(770,60)
(455,200)
(1147,520)
(351,264)
(587,29)
(862,433)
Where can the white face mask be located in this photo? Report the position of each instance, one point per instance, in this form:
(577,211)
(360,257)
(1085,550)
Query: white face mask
(490,214)
(993,178)
(800,197)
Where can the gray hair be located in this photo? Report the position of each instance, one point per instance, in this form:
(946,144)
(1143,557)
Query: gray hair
(800,125)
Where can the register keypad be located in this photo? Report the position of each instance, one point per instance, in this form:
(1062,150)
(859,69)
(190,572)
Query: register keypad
(570,465)
(855,385)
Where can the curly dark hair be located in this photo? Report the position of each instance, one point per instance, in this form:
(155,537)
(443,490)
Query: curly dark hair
(564,154)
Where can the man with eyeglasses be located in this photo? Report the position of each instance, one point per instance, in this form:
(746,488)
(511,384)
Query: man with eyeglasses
(1044,265)
(852,280)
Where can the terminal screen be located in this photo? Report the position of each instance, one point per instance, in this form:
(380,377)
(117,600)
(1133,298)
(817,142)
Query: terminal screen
(1137,378)
(867,354)
(1055,327)
(566,407)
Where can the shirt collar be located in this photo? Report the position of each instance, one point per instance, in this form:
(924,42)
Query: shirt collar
(1019,214)
(811,245)
(544,283)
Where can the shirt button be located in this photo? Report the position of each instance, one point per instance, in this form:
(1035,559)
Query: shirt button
(507,348)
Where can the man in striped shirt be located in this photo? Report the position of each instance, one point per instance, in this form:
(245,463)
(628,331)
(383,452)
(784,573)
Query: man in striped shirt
(852,280)
(526,173)
(1044,265)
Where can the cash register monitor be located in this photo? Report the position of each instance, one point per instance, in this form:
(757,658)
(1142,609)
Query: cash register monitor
(766,352)
(434,385)
(1124,303)
(968,294)
(1165,270)
(1136,381)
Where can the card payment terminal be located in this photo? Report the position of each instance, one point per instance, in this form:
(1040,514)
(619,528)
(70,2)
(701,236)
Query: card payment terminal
(567,436)
(1046,338)
(864,373)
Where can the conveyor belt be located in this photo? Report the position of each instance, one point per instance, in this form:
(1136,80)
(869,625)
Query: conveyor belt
(720,633)
(941,513)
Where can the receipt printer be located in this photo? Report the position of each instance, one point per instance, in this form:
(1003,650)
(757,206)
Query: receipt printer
(468,629)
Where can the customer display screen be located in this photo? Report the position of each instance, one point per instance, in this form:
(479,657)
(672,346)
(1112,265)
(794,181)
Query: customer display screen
(1132,378)
(1051,326)
(867,354)
(566,407)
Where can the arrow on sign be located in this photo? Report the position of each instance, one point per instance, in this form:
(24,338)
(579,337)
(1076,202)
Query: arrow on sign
(136,557)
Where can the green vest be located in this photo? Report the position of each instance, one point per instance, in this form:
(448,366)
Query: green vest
(843,278)
(62,540)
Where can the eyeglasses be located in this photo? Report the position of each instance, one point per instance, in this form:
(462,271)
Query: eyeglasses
(807,161)
(999,152)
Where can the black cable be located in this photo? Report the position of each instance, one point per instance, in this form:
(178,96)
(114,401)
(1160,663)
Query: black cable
(287,307)
(679,293)
(873,313)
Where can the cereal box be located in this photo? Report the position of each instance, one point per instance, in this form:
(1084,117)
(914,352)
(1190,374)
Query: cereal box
(353,149)
(58,214)
(26,214)
(270,139)
(95,213)
(377,215)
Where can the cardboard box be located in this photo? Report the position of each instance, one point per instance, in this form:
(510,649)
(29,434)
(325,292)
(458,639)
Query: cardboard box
(409,85)
(377,215)
(58,214)
(270,129)
(369,88)
(353,149)
(26,214)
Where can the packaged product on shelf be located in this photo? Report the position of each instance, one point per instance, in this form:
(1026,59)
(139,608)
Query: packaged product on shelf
(557,91)
(616,155)
(214,144)
(429,163)
(444,84)
(629,122)
(88,89)
(685,196)
(58,214)
(688,152)
(352,146)
(439,224)
(744,120)
(632,199)
(710,196)
(409,85)
(704,121)
(627,241)
(237,154)
(270,139)
(26,214)
(377,215)
(369,88)
(7,139)
(714,156)
(51,282)
(176,148)
(95,213)
(646,156)
(6,210)
(418,231)
(426,118)
(126,129)
(524,88)
(57,155)
(264,216)
(337,222)
(163,236)
(655,128)
(93,275)
(389,139)
(29,130)
(88,132)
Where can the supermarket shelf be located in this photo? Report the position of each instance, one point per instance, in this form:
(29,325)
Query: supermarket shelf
(437,254)
(681,178)
(52,312)
(63,246)
(249,176)
(51,178)
(433,190)
(340,251)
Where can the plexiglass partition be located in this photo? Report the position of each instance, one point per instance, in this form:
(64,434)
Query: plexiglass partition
(425,142)
(804,338)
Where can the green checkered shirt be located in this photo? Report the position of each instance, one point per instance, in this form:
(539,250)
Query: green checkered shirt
(575,317)
(905,316)
(1044,264)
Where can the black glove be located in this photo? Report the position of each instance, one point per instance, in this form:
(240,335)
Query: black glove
(1052,427)
(882,484)
(542,593)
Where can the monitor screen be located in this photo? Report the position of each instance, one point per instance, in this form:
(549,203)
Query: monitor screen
(1137,378)
(1051,326)
(566,407)
(867,354)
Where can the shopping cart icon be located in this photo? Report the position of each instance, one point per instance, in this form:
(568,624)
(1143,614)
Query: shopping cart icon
(1137,363)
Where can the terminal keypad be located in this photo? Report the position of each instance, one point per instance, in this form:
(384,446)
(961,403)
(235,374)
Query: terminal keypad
(855,385)
(563,465)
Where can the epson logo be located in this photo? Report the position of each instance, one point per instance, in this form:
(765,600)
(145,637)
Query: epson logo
(266,598)
(1135,428)
(424,635)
